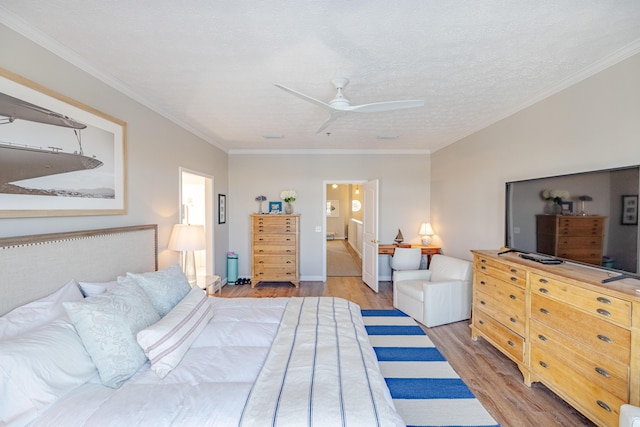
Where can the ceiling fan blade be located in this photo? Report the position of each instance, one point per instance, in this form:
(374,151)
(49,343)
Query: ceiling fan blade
(385,106)
(305,97)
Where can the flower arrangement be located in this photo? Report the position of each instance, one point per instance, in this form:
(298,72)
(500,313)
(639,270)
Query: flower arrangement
(556,195)
(288,195)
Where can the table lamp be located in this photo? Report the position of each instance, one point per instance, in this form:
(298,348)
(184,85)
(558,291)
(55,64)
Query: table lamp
(187,238)
(426,232)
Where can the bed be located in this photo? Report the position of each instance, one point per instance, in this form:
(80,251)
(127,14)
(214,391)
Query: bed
(67,356)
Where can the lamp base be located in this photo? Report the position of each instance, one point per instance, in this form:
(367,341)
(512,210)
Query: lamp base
(426,240)
(190,267)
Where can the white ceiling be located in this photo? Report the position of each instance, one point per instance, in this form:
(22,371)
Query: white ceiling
(211,65)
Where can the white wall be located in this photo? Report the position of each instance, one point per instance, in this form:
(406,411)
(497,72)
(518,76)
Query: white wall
(404,195)
(156,148)
(592,125)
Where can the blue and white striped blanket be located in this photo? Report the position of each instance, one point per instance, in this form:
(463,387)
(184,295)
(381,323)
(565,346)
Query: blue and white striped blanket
(321,371)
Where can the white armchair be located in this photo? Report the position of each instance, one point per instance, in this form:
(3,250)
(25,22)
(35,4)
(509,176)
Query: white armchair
(437,296)
(629,416)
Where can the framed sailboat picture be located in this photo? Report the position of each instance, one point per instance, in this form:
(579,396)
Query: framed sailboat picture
(58,157)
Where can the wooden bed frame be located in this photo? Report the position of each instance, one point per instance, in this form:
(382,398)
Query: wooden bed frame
(32,267)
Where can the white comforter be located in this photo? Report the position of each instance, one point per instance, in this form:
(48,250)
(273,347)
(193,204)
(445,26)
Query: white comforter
(211,384)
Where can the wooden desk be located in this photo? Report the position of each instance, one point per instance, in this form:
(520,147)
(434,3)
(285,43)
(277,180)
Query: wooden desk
(429,251)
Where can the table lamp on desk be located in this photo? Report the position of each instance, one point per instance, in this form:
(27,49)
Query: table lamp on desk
(426,231)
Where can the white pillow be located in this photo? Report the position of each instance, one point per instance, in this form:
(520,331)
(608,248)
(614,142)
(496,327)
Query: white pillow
(108,324)
(166,342)
(38,313)
(38,367)
(91,289)
(165,287)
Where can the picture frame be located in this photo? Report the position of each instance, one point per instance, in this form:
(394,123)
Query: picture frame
(275,207)
(567,207)
(629,215)
(333,208)
(222,209)
(58,157)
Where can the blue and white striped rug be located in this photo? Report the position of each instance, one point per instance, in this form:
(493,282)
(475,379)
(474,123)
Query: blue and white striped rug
(425,388)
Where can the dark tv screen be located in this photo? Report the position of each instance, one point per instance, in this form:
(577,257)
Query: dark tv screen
(611,194)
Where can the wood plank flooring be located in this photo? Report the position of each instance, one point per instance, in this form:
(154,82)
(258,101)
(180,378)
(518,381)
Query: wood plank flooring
(494,379)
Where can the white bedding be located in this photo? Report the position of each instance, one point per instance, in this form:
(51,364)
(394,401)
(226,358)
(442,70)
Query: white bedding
(210,385)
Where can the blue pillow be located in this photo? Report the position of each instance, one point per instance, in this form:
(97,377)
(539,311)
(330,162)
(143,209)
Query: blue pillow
(165,288)
(108,324)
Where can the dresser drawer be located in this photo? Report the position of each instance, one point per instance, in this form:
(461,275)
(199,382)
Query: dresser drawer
(600,305)
(506,340)
(274,250)
(279,260)
(274,273)
(508,273)
(579,242)
(606,373)
(592,400)
(580,226)
(274,239)
(275,228)
(510,312)
(587,330)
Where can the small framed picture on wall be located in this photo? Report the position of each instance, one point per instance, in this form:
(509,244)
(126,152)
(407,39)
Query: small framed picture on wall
(629,210)
(222,209)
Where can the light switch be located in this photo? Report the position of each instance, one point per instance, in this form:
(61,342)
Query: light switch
(318,229)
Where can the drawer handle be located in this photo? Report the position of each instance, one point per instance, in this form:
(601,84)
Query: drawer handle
(482,302)
(511,343)
(261,273)
(483,267)
(261,250)
(483,261)
(544,311)
(544,365)
(288,239)
(514,279)
(482,282)
(604,300)
(604,338)
(542,337)
(288,262)
(514,271)
(261,262)
(481,321)
(543,291)
(513,320)
(512,296)
(603,372)
(603,312)
(545,281)
(603,405)
(289,250)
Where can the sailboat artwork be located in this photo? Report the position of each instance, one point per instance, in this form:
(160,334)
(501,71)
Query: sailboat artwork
(58,157)
(399,237)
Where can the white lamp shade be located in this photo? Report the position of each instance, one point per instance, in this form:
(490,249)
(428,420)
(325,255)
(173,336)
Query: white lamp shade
(426,230)
(187,237)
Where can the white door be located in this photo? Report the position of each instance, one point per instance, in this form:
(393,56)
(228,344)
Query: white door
(370,237)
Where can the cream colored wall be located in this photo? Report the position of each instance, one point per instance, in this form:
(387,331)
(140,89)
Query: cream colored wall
(404,195)
(156,148)
(592,125)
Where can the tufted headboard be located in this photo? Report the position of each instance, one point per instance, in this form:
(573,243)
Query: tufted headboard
(32,267)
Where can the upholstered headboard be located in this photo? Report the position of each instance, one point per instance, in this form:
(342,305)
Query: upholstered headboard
(32,267)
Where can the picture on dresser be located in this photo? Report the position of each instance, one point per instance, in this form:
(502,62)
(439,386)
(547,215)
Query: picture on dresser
(275,207)
(567,207)
(629,210)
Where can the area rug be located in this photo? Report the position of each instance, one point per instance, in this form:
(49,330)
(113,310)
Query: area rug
(339,261)
(424,387)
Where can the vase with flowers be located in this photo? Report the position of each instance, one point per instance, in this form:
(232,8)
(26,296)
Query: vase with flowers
(289,196)
(554,200)
(260,199)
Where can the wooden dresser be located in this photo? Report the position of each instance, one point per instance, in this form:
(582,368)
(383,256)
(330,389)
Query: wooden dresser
(563,328)
(275,248)
(579,238)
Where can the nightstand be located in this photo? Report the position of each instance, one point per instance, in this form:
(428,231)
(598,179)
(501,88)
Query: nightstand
(211,284)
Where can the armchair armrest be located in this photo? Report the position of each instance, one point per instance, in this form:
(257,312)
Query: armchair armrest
(629,416)
(411,275)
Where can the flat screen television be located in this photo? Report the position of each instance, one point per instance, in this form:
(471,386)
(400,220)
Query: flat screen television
(611,195)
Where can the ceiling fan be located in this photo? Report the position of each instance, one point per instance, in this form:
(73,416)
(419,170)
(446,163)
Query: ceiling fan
(339,106)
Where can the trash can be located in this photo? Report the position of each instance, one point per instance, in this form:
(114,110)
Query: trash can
(232,268)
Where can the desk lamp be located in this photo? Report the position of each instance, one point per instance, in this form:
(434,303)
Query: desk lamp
(426,231)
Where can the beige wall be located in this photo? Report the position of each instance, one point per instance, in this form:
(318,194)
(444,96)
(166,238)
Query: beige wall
(594,124)
(156,148)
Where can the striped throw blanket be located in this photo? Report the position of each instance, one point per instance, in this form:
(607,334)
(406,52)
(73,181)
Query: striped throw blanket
(320,371)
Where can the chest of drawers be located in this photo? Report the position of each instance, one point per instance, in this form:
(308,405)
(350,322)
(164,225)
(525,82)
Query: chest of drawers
(563,328)
(574,237)
(275,248)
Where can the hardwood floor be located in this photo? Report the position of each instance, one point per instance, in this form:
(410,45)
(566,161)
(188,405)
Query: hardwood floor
(494,379)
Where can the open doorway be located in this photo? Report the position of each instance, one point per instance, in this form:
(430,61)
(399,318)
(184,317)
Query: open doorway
(197,207)
(343,227)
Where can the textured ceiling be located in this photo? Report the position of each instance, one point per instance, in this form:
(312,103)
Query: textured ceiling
(211,65)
